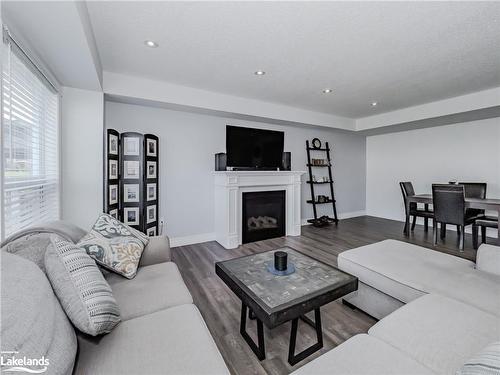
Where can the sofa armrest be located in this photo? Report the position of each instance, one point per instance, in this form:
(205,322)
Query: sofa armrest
(488,259)
(157,251)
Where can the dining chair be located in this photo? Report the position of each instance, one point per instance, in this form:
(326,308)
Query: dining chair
(483,223)
(407,190)
(474,190)
(449,208)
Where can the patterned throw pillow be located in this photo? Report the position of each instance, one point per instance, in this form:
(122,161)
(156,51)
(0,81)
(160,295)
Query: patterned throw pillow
(486,362)
(84,294)
(115,246)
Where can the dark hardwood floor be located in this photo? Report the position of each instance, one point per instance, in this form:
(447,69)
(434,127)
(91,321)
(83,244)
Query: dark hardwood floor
(221,308)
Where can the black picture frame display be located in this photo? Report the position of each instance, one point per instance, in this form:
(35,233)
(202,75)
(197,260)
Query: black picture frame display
(131,172)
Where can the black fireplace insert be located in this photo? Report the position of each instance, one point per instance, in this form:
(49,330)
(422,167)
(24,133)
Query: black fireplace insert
(263,215)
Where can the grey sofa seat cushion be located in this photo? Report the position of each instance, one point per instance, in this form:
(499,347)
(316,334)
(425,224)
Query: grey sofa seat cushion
(363,355)
(81,288)
(33,322)
(440,332)
(173,341)
(31,243)
(154,288)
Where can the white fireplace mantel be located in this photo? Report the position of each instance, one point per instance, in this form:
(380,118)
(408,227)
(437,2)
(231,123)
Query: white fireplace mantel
(229,187)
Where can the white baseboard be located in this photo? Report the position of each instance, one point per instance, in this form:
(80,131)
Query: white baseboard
(193,239)
(345,215)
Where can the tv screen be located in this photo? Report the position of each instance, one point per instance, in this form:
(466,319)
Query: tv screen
(254,148)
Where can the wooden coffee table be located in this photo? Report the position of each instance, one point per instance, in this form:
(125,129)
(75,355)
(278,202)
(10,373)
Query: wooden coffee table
(273,300)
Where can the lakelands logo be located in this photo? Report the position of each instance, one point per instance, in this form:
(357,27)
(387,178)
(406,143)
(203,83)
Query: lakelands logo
(10,362)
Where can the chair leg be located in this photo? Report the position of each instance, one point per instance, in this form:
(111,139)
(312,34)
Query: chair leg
(483,234)
(414,222)
(458,230)
(435,231)
(426,224)
(475,234)
(462,239)
(443,230)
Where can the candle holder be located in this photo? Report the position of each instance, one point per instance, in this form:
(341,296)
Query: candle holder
(280,266)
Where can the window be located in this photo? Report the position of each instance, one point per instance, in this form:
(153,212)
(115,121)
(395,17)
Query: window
(29,143)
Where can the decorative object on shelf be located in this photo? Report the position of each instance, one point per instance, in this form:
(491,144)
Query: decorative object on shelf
(322,199)
(316,143)
(131,171)
(315,180)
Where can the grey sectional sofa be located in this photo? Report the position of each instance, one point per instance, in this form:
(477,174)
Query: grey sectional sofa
(161,332)
(437,311)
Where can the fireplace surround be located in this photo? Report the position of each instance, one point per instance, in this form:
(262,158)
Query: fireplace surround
(229,189)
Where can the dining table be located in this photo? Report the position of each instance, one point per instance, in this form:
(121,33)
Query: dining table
(490,204)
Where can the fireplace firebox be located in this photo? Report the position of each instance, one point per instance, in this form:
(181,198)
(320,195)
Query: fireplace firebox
(263,215)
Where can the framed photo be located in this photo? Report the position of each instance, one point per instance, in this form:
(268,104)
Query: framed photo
(151,147)
(113,194)
(131,169)
(151,192)
(131,192)
(151,169)
(151,214)
(113,170)
(131,146)
(151,231)
(131,215)
(113,144)
(114,213)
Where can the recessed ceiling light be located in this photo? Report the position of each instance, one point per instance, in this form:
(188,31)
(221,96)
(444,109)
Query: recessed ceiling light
(327,91)
(259,73)
(374,104)
(150,43)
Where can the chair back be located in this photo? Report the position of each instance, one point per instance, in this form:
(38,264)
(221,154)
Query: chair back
(449,203)
(474,190)
(407,190)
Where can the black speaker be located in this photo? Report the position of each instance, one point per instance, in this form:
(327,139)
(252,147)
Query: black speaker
(220,161)
(286,162)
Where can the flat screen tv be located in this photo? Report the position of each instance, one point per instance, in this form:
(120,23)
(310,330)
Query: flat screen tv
(249,148)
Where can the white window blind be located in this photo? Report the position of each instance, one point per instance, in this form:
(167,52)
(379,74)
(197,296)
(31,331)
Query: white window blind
(29,144)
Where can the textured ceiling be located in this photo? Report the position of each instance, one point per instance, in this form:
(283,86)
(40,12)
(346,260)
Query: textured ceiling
(398,54)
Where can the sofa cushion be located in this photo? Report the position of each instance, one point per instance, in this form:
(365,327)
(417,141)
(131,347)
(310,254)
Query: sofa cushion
(154,288)
(439,332)
(32,321)
(114,245)
(363,355)
(486,362)
(174,341)
(488,259)
(84,294)
(406,272)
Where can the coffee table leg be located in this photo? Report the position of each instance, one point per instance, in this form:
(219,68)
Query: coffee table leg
(259,350)
(295,358)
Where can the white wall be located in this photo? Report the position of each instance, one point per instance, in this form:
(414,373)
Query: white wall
(82,154)
(463,152)
(188,143)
